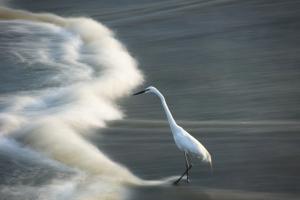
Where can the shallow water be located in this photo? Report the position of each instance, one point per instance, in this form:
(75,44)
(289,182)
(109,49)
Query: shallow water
(250,160)
(229,71)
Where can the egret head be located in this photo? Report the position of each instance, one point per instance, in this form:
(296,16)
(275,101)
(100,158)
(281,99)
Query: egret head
(147,90)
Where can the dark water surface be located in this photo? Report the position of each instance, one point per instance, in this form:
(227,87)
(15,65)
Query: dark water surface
(251,161)
(230,72)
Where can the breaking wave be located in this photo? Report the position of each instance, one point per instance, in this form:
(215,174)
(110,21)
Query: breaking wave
(80,70)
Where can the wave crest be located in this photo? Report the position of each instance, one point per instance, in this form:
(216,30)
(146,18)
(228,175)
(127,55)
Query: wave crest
(52,120)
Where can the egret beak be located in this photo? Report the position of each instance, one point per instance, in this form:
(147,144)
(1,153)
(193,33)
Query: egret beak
(141,92)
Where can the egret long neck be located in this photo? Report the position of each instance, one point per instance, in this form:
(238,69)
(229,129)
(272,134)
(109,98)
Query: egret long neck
(167,111)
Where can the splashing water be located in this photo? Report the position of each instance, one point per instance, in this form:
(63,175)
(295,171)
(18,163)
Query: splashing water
(83,70)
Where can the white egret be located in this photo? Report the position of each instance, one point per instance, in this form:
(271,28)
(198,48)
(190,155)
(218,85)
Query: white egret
(184,141)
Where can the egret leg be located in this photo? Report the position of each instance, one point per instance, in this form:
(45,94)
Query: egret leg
(188,167)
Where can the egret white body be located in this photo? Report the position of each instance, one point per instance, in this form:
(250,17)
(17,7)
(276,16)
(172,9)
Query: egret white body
(184,141)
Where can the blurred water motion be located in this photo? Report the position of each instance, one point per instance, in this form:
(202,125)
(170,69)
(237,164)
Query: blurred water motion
(230,73)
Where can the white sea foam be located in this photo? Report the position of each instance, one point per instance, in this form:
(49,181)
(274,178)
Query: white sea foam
(92,69)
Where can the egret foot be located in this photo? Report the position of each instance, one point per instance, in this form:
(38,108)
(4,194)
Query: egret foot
(184,173)
(188,180)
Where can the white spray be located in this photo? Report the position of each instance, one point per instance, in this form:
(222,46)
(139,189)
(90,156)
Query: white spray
(52,120)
